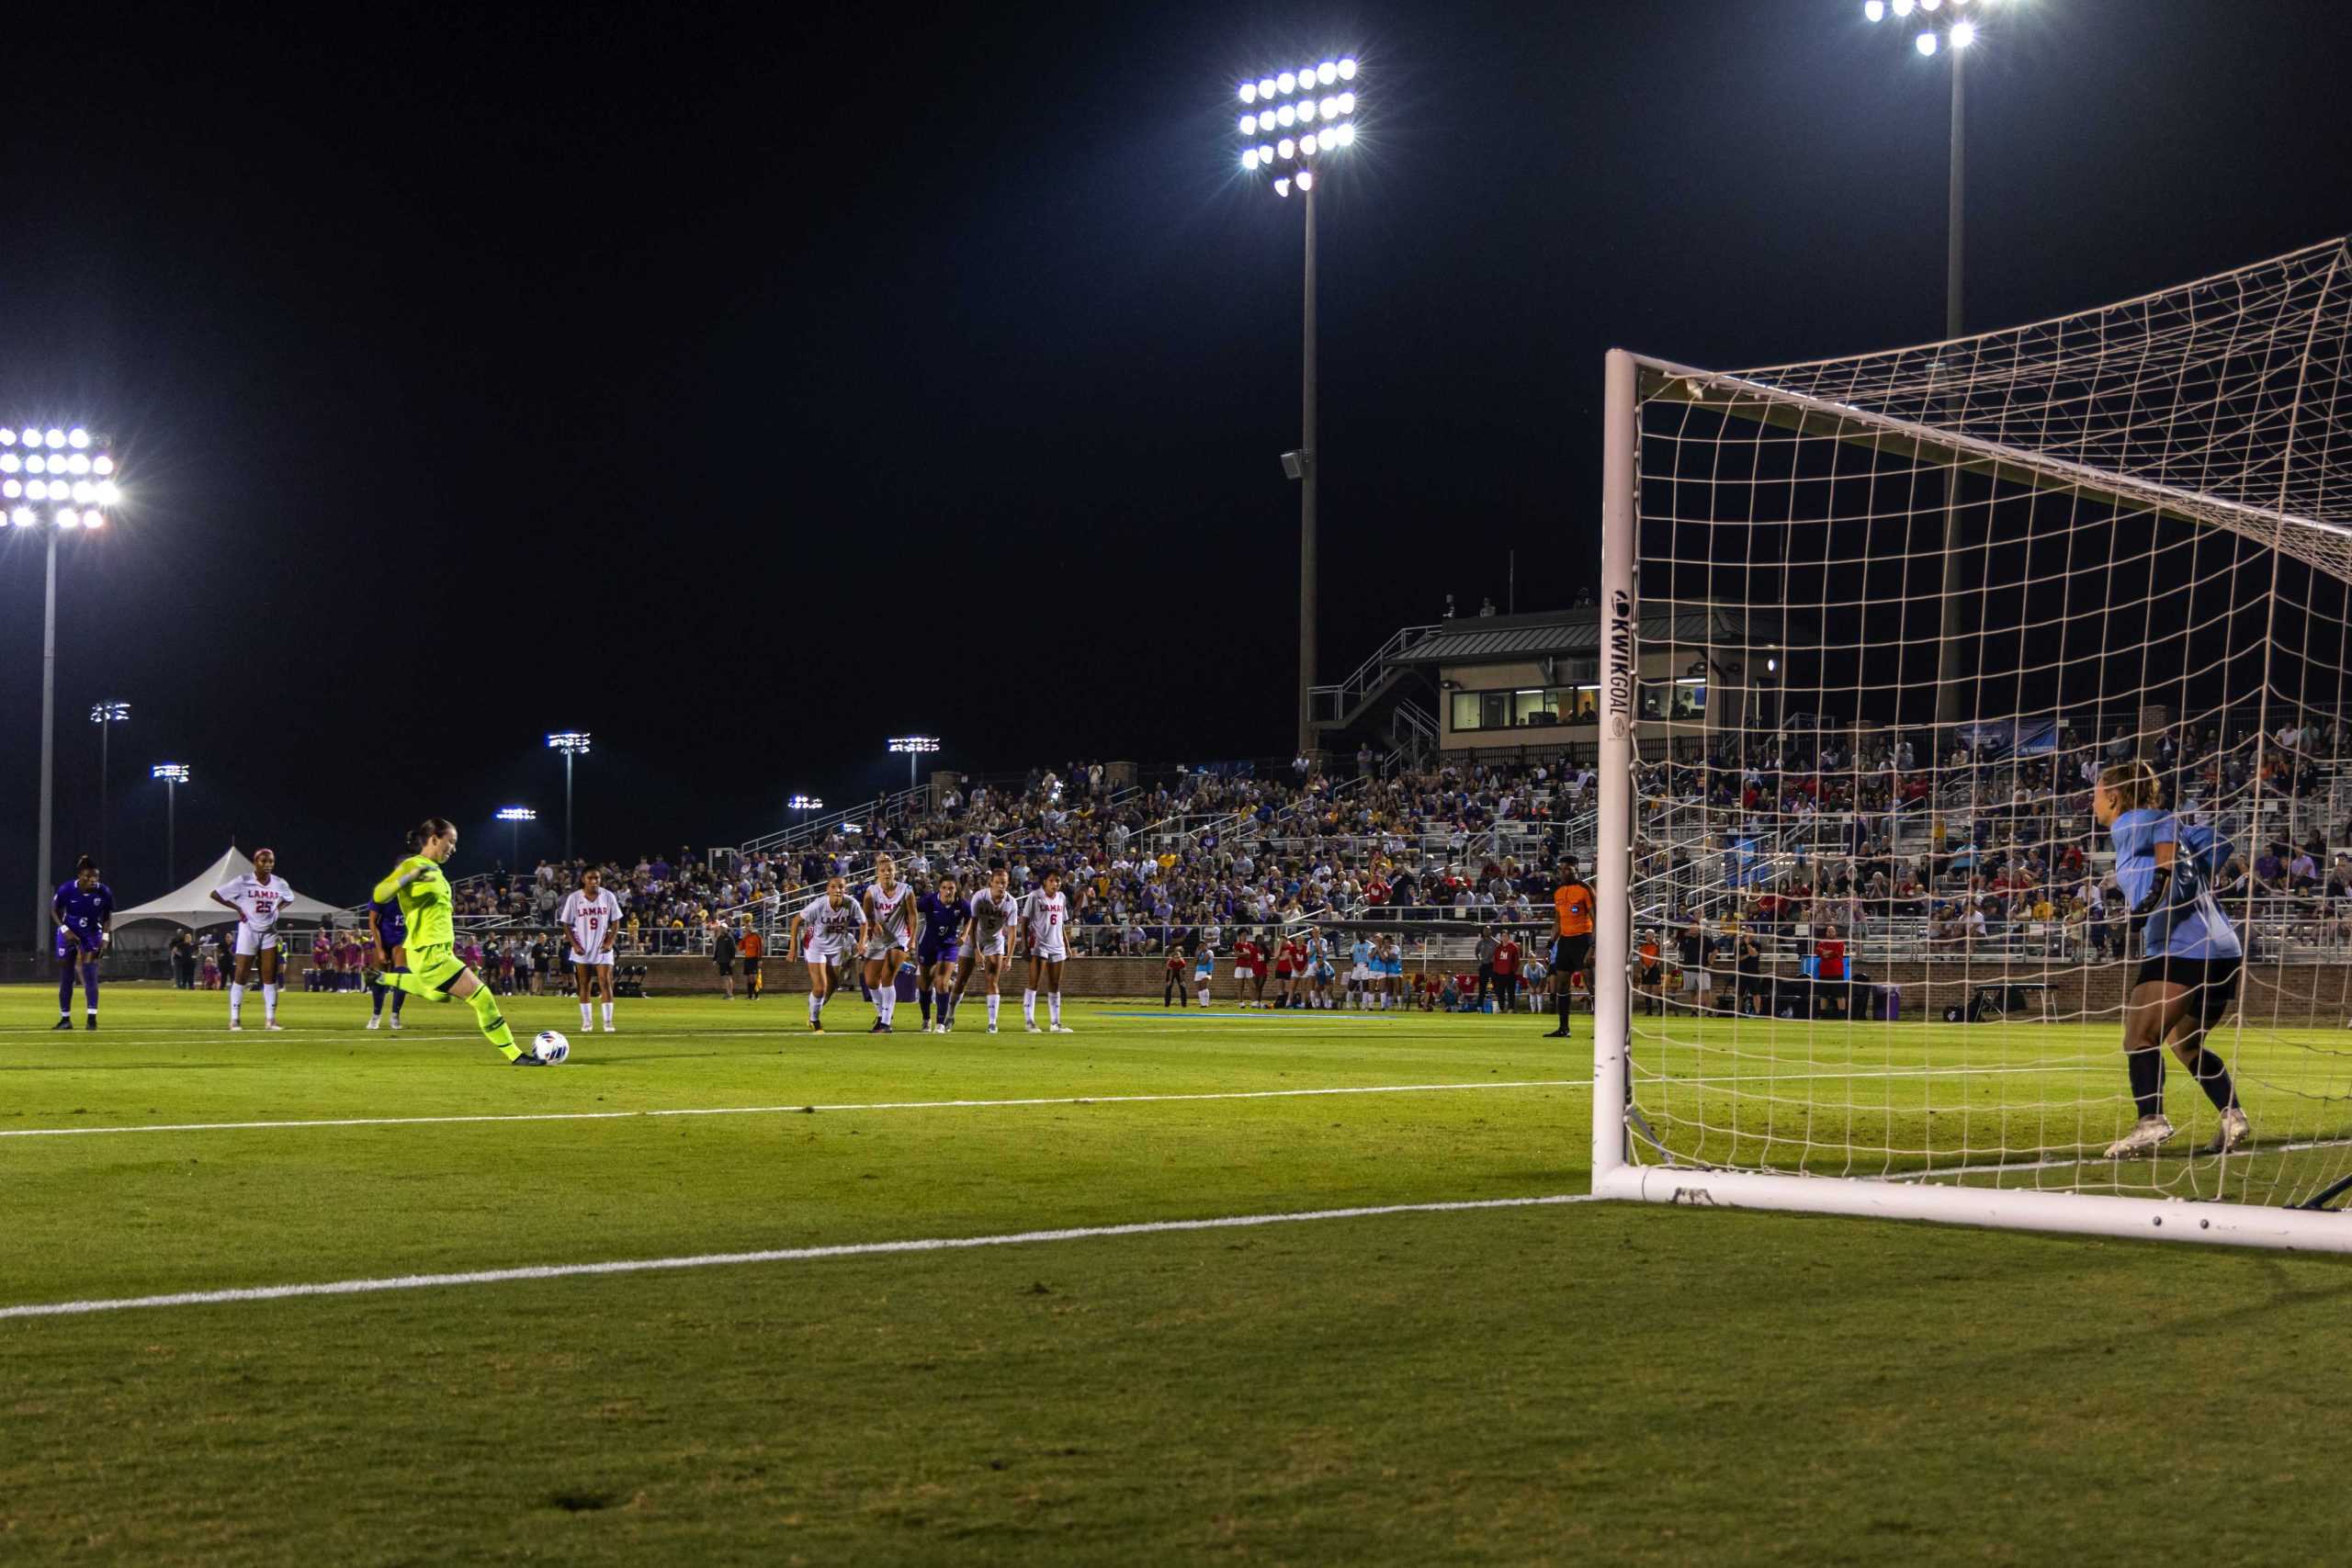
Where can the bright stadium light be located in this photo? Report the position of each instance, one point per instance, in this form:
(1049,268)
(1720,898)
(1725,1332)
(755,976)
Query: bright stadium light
(105,716)
(914,746)
(39,449)
(1330,128)
(173,774)
(1960,38)
(571,743)
(803,804)
(515,817)
(1874,10)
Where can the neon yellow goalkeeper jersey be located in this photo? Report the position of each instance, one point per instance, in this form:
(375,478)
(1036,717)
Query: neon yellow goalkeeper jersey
(425,903)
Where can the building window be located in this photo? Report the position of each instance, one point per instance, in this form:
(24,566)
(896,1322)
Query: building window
(1525,707)
(1685,698)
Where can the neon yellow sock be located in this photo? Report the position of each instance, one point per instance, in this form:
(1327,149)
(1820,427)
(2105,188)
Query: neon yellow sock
(486,1016)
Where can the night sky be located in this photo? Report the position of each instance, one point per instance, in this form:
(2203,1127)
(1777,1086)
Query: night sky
(747,396)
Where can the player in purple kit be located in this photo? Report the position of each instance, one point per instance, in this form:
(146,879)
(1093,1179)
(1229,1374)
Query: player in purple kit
(944,913)
(84,909)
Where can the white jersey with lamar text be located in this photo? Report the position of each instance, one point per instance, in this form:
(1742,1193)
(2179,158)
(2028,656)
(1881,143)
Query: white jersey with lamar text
(1044,916)
(591,922)
(827,934)
(258,899)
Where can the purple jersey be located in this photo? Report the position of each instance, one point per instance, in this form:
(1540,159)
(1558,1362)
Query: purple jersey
(87,910)
(943,922)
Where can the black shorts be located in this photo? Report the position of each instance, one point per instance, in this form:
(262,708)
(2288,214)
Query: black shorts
(751,967)
(1652,976)
(1569,954)
(2212,981)
(726,965)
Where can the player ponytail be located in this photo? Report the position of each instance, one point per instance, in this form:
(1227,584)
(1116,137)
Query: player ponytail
(2134,785)
(424,832)
(84,864)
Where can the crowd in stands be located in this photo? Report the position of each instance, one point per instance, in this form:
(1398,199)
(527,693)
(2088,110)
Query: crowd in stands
(1791,838)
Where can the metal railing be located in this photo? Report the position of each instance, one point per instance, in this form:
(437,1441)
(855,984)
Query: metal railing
(1335,702)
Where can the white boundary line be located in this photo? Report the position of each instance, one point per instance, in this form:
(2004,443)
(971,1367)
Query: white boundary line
(806,1109)
(778,1255)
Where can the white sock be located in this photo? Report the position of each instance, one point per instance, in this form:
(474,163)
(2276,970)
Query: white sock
(885,1002)
(994,1002)
(1205,996)
(587,1014)
(812,1007)
(1054,1007)
(236,1001)
(1029,1006)
(270,1004)
(608,1015)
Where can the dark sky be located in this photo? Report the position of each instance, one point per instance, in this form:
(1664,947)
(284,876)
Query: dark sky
(747,395)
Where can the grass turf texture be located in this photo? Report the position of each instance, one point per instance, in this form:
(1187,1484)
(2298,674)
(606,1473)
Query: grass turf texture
(1599,1382)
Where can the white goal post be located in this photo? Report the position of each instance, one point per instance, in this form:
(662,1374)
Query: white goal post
(1878,635)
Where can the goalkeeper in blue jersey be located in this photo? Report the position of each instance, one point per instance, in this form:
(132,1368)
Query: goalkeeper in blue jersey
(2190,955)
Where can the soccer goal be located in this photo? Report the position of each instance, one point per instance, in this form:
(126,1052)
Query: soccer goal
(1896,650)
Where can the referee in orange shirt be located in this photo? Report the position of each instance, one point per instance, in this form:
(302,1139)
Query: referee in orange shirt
(1572,903)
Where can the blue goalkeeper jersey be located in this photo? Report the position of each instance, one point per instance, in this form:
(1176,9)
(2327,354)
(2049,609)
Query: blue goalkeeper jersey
(2189,922)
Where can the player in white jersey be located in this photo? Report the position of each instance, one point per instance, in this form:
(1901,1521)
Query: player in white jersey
(827,934)
(890,937)
(1045,936)
(257,899)
(988,936)
(592,916)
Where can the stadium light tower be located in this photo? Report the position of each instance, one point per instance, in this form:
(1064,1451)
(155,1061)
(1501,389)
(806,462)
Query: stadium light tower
(1291,121)
(58,480)
(105,716)
(804,804)
(571,743)
(914,746)
(1947,30)
(515,817)
(173,774)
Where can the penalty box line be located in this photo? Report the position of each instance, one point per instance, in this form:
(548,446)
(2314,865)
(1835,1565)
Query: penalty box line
(469,1119)
(777,1255)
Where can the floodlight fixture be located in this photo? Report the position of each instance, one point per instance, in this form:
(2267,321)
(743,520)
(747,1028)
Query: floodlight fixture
(170,773)
(173,774)
(571,743)
(914,746)
(1926,43)
(804,803)
(1963,34)
(109,713)
(517,814)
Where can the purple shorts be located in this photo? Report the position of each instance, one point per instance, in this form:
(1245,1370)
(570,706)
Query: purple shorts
(939,951)
(66,949)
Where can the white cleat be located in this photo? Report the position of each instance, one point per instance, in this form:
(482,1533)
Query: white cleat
(236,1028)
(2234,1131)
(991,1029)
(610,1030)
(396,1023)
(375,1020)
(1034,1030)
(1061,1029)
(2150,1135)
(274,1028)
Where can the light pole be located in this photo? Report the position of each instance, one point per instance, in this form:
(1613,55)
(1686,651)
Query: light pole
(1291,120)
(571,743)
(515,817)
(914,746)
(1946,29)
(59,481)
(173,774)
(105,716)
(804,804)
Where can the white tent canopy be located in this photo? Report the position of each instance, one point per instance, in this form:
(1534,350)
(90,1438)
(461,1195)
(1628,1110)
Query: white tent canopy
(192,906)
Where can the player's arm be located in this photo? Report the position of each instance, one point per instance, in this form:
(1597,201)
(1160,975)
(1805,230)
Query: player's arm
(612,924)
(234,910)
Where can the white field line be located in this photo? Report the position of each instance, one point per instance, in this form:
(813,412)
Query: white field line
(806,1109)
(1991,1167)
(778,1255)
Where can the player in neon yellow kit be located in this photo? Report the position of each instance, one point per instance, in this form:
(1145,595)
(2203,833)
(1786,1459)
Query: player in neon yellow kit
(434,971)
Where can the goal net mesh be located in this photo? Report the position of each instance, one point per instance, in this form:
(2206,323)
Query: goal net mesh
(1893,612)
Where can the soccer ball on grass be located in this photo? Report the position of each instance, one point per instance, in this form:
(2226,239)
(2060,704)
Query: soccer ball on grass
(550,1047)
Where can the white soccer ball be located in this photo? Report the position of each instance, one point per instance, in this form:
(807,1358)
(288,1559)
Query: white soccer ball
(551,1047)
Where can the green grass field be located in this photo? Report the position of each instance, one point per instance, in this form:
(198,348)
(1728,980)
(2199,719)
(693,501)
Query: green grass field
(1499,1385)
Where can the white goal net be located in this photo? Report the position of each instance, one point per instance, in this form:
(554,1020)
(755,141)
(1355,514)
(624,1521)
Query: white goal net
(1877,627)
